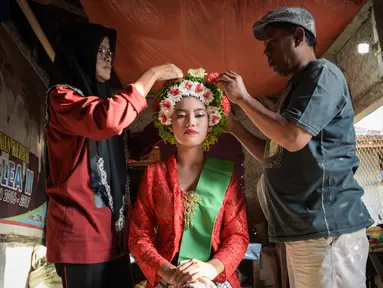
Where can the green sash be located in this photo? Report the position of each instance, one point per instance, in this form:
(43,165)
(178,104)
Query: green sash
(211,188)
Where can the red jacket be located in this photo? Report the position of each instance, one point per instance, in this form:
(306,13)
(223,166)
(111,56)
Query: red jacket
(157,224)
(77,231)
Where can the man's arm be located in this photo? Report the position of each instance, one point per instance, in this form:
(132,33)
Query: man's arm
(252,144)
(273,125)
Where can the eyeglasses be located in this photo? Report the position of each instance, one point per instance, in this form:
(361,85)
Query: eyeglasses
(106,54)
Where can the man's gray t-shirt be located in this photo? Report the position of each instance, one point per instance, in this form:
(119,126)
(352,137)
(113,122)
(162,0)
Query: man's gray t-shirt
(312,193)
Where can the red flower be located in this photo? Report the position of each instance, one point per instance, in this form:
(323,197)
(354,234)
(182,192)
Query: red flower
(164,118)
(212,76)
(155,106)
(174,91)
(188,85)
(199,88)
(225,105)
(207,95)
(215,119)
(167,104)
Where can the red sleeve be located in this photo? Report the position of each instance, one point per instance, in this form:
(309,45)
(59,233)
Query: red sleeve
(234,235)
(91,116)
(142,236)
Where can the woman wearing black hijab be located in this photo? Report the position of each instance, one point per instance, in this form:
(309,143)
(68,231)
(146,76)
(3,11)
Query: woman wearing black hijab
(87,183)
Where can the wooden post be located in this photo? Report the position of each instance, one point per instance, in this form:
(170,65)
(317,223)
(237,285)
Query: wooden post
(24,6)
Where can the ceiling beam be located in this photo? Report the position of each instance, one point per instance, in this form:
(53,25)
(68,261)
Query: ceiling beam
(350,30)
(24,6)
(62,4)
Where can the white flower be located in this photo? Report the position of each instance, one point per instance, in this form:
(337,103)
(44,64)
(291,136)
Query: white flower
(214,115)
(167,106)
(198,73)
(213,110)
(175,93)
(164,118)
(187,88)
(207,96)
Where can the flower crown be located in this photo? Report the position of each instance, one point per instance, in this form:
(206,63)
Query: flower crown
(193,84)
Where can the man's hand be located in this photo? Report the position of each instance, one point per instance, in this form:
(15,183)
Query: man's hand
(232,85)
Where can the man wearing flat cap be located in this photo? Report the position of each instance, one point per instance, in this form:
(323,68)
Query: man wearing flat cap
(313,200)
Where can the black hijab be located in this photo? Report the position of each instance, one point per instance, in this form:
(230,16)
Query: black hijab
(75,66)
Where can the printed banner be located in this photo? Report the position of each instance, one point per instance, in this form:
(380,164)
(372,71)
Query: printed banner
(22,110)
(21,184)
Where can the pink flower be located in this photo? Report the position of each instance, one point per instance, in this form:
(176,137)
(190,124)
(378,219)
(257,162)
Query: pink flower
(212,76)
(225,105)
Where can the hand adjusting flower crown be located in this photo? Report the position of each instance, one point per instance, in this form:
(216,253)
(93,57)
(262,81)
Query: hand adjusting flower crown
(193,84)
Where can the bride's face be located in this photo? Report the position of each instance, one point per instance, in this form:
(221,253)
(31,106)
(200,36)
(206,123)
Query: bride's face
(190,122)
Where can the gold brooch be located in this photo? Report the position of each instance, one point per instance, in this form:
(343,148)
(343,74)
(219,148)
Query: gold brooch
(190,204)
